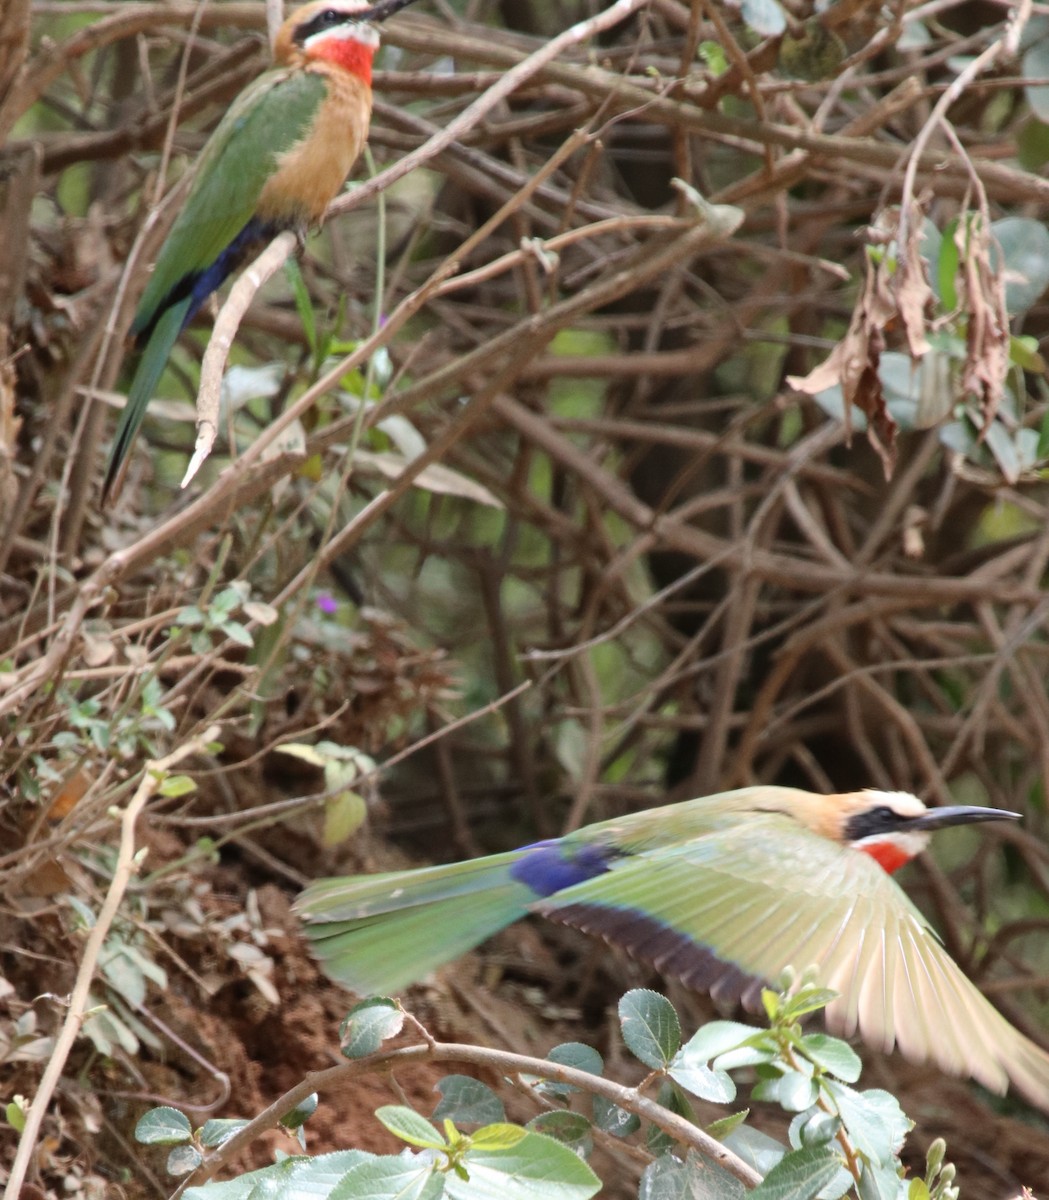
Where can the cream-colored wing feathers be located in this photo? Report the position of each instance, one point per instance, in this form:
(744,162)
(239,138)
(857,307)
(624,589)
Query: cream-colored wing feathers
(729,910)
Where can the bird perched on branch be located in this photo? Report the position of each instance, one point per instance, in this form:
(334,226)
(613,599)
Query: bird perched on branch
(721,893)
(275,161)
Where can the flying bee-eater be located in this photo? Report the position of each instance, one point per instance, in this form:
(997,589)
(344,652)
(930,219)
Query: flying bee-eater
(721,893)
(275,161)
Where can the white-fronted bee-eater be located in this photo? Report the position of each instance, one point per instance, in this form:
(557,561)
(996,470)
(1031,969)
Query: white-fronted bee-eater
(275,161)
(722,893)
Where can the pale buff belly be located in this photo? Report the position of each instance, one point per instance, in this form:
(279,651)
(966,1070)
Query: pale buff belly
(310,174)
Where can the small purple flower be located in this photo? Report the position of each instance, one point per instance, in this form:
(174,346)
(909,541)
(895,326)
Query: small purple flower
(327,603)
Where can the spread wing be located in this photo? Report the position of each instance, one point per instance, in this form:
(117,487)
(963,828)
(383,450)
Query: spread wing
(726,912)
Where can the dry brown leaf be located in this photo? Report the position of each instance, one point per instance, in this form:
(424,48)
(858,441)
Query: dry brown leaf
(914,296)
(896,293)
(71,791)
(987,332)
(853,363)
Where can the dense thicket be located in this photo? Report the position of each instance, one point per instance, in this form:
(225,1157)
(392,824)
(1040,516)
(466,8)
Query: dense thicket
(586,529)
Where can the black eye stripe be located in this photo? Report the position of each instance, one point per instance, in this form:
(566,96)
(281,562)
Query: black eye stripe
(326,19)
(874,821)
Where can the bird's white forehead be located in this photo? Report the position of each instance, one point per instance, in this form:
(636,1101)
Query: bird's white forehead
(367,35)
(900,802)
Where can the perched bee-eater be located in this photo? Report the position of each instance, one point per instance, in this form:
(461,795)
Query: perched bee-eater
(275,161)
(721,893)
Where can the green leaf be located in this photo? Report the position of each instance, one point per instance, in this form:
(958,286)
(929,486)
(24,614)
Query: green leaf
(1013,451)
(793,1091)
(368,1025)
(612,1119)
(569,1054)
(799,1175)
(579,1056)
(571,1128)
(538,1166)
(190,616)
(236,632)
(650,1025)
(467,1101)
(806,1001)
(296,1117)
(303,304)
(772,1003)
(668,1178)
(344,814)
(220,1129)
(163,1127)
(1024,245)
(832,1054)
(1024,353)
(674,1100)
(814,1128)
(713,57)
(721,1128)
(147,966)
(304,751)
(405,1177)
(294,1178)
(123,973)
(1035,65)
(406,1124)
(15,1115)
(761,1051)
(1032,144)
(718,1037)
(757,1149)
(177,785)
(875,1123)
(880,1182)
(702,1081)
(947,267)
(500,1135)
(184,1159)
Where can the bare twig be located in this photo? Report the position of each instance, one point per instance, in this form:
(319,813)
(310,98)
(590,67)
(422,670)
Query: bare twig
(127,865)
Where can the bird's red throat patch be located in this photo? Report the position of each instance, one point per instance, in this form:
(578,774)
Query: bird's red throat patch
(888,855)
(348,54)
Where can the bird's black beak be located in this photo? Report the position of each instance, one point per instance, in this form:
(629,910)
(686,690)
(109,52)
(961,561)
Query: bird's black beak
(957,814)
(382,10)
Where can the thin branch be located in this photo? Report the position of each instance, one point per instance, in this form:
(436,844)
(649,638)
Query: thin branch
(503,1062)
(127,865)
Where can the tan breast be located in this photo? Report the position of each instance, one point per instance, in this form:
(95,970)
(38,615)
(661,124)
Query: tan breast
(310,174)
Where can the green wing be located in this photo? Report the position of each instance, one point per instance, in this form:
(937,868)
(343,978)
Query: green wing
(376,933)
(262,123)
(729,910)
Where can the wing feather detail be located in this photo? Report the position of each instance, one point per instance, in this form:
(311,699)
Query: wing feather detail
(726,911)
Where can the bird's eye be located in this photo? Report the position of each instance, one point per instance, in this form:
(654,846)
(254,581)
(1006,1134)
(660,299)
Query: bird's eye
(328,18)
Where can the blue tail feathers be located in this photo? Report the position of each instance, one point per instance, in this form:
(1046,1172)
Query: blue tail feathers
(551,866)
(197,286)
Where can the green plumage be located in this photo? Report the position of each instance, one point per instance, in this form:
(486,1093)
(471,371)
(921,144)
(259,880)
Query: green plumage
(687,875)
(218,227)
(378,933)
(721,893)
